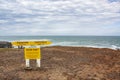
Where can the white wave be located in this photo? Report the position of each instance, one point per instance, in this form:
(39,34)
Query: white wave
(76,44)
(65,43)
(115,47)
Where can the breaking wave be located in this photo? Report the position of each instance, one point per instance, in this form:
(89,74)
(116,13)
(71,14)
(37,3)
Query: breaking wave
(77,44)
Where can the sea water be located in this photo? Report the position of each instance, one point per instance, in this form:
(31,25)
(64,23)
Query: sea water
(80,41)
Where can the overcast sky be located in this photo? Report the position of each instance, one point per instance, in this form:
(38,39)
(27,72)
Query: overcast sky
(60,17)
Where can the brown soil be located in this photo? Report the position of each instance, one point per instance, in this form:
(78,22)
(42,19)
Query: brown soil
(62,63)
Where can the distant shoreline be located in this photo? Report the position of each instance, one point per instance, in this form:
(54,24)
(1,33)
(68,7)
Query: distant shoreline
(80,46)
(111,42)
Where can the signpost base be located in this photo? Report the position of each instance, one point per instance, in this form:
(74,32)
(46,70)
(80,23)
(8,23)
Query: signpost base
(38,64)
(28,68)
(28,65)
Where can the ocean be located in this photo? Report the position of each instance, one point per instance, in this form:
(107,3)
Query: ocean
(112,42)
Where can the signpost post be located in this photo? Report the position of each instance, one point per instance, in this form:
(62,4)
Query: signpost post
(32,53)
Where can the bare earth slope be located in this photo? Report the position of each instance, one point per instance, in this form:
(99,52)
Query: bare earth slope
(62,63)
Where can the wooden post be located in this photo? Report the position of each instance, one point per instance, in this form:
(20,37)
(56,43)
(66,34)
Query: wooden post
(27,63)
(38,61)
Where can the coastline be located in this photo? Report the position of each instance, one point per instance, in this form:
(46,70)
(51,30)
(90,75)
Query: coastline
(113,48)
(63,63)
(82,46)
(112,42)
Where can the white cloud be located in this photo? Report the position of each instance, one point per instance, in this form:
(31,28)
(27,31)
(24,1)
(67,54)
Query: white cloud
(3,21)
(59,16)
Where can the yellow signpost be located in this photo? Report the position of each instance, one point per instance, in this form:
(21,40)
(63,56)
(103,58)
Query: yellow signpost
(32,53)
(29,43)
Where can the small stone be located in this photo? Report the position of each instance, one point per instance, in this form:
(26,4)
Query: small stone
(28,68)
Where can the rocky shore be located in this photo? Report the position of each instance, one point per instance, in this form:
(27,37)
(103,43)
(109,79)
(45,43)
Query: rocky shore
(5,44)
(62,63)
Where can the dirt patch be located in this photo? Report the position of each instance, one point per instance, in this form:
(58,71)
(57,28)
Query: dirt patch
(62,63)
